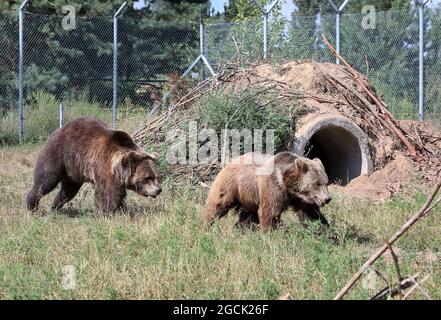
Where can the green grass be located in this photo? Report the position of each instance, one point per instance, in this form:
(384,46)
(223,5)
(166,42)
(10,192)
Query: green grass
(159,249)
(41,116)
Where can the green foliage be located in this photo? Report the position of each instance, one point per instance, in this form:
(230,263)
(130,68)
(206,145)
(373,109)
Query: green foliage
(8,61)
(163,166)
(383,5)
(48,80)
(41,115)
(402,107)
(240,9)
(59,60)
(240,40)
(433,58)
(158,40)
(226,110)
(244,33)
(9,128)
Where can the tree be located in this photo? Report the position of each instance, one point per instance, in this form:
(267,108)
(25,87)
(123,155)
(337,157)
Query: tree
(388,50)
(8,60)
(238,10)
(63,62)
(433,65)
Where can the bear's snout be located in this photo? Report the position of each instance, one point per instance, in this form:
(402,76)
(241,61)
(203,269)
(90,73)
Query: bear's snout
(318,202)
(155,192)
(321,202)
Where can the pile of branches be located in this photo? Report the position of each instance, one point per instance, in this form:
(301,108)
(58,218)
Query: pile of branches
(180,112)
(185,101)
(429,159)
(347,92)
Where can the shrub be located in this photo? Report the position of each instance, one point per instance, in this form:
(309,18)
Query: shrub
(401,106)
(224,110)
(9,128)
(41,115)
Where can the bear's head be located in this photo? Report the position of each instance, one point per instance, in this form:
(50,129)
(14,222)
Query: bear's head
(307,180)
(138,172)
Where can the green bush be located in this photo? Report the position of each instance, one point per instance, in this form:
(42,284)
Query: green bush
(401,106)
(41,115)
(9,128)
(250,110)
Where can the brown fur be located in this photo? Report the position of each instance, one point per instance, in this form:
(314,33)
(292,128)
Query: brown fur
(261,187)
(87,150)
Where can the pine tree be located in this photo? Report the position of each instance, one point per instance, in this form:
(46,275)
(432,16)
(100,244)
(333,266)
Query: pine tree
(62,62)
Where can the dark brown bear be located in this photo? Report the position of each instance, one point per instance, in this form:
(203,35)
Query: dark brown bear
(261,187)
(88,150)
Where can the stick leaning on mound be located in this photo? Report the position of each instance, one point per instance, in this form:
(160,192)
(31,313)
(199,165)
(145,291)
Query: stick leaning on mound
(385,114)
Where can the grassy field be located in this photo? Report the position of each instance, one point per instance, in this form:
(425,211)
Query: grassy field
(160,250)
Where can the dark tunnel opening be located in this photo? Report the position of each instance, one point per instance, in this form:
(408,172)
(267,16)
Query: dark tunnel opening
(339,151)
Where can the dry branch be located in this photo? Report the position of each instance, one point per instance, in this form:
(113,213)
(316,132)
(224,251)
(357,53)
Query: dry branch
(397,266)
(422,212)
(392,292)
(381,275)
(385,114)
(416,285)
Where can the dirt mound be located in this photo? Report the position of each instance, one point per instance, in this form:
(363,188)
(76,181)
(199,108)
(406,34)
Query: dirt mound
(397,148)
(384,182)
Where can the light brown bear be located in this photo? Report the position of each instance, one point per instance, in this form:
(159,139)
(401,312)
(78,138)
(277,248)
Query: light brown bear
(88,150)
(261,187)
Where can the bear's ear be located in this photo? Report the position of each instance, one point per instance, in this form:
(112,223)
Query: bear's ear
(319,162)
(133,157)
(121,168)
(301,165)
(122,165)
(154,156)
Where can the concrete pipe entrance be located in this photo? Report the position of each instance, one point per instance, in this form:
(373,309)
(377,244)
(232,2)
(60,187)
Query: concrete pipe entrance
(339,143)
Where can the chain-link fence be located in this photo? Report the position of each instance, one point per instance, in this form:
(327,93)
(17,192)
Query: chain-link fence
(388,55)
(150,53)
(387,51)
(8,78)
(432,62)
(75,66)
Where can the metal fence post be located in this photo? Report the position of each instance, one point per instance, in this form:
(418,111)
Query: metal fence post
(421,4)
(61,115)
(201,51)
(202,39)
(265,12)
(20,72)
(201,35)
(265,36)
(338,11)
(115,62)
(337,35)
